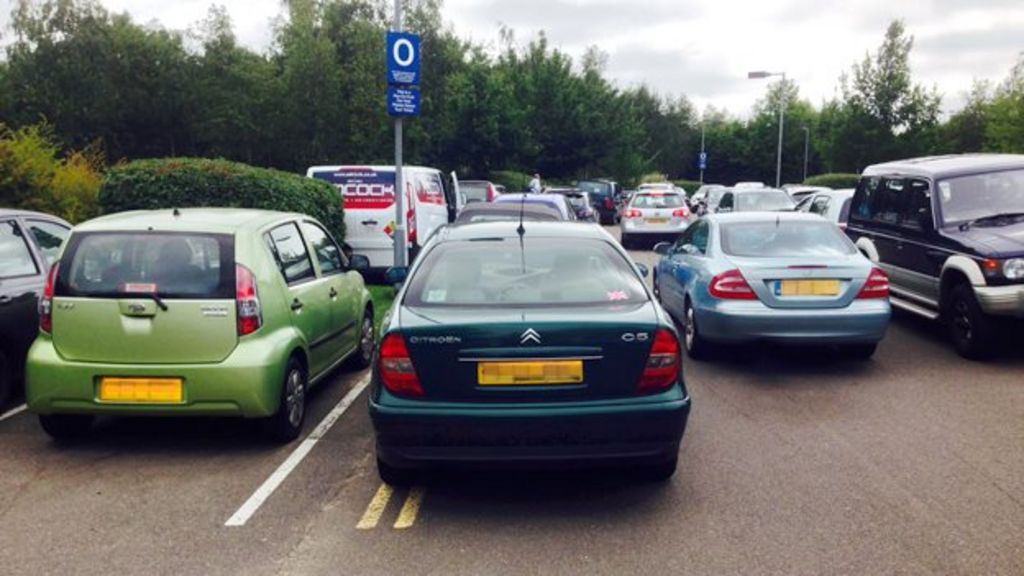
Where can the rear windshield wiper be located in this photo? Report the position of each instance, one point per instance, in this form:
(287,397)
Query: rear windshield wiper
(156,298)
(1004,215)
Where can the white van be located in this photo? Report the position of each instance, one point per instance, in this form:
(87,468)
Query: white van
(369,196)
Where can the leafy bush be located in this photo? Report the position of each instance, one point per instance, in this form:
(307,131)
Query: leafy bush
(689,185)
(834,180)
(34,177)
(653,177)
(196,182)
(511,180)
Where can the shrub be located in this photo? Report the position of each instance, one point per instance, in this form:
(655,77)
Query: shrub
(196,182)
(511,180)
(653,177)
(34,177)
(689,185)
(834,180)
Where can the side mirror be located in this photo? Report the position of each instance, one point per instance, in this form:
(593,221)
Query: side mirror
(663,248)
(642,269)
(359,263)
(396,275)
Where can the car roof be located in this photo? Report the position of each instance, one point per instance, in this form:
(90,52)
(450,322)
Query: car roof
(534,229)
(949,165)
(210,220)
(762,217)
(757,190)
(8,212)
(375,168)
(508,208)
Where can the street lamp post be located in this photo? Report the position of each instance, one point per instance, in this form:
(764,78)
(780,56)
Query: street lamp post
(758,75)
(807,149)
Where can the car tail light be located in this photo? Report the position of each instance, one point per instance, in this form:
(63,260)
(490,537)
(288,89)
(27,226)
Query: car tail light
(396,369)
(731,285)
(46,302)
(632,214)
(492,193)
(877,285)
(662,368)
(681,213)
(411,223)
(247,299)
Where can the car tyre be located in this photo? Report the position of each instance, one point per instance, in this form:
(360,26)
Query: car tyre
(859,351)
(972,332)
(6,379)
(661,471)
(695,344)
(367,341)
(286,425)
(66,427)
(394,476)
(627,242)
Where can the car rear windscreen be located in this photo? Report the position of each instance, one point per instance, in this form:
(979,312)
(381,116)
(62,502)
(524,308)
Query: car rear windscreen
(474,191)
(542,272)
(599,188)
(764,201)
(170,265)
(657,201)
(784,239)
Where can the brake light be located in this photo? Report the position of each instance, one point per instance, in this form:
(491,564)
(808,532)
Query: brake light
(396,369)
(247,300)
(46,302)
(877,285)
(492,193)
(681,213)
(411,218)
(731,285)
(662,368)
(631,213)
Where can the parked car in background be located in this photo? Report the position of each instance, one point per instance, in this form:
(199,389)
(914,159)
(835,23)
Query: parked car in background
(713,198)
(580,202)
(663,186)
(535,348)
(431,200)
(654,214)
(604,195)
(755,200)
(799,192)
(478,191)
(949,230)
(789,278)
(554,201)
(833,205)
(200,312)
(699,200)
(745,185)
(29,243)
(492,212)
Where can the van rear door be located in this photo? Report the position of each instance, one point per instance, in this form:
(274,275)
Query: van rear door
(369,197)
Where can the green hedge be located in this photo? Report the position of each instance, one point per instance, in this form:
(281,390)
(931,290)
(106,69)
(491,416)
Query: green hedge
(689,185)
(196,182)
(834,180)
(511,180)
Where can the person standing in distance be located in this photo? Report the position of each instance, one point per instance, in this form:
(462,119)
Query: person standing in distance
(535,184)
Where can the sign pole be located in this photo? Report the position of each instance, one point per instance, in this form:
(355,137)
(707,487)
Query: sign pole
(400,242)
(702,153)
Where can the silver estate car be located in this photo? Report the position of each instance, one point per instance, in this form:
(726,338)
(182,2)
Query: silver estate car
(789,277)
(654,215)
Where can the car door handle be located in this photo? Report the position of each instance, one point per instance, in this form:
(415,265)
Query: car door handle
(333,293)
(296,304)
(369,222)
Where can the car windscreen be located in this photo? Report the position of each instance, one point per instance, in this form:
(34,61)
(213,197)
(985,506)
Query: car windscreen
(768,201)
(657,201)
(170,265)
(600,188)
(968,198)
(542,272)
(783,239)
(474,191)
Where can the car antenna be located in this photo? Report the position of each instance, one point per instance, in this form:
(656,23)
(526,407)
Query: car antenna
(522,207)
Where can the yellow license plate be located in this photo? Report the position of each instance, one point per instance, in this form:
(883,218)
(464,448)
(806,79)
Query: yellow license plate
(530,373)
(657,220)
(142,390)
(809,288)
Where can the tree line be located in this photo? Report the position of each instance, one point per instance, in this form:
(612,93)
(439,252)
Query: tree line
(100,81)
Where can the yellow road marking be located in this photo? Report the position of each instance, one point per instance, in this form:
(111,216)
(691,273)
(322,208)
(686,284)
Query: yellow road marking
(407,517)
(376,508)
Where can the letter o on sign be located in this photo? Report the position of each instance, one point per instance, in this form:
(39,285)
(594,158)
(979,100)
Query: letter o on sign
(404,52)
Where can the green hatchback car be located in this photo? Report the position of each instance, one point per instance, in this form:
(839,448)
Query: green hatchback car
(199,312)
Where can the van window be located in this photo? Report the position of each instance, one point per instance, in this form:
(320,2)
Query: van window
(15,256)
(290,252)
(172,265)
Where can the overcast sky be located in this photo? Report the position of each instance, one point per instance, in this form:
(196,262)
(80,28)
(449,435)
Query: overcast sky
(704,48)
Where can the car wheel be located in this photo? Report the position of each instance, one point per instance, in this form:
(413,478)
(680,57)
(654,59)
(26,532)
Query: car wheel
(66,427)
(661,471)
(364,356)
(973,332)
(286,424)
(696,346)
(859,351)
(395,476)
(6,379)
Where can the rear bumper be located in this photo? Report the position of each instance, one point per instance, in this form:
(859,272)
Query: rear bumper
(862,322)
(1001,300)
(247,383)
(546,435)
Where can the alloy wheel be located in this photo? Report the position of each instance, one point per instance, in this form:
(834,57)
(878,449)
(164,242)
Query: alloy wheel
(295,397)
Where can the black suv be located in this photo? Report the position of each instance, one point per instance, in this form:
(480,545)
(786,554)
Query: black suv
(29,242)
(604,196)
(949,231)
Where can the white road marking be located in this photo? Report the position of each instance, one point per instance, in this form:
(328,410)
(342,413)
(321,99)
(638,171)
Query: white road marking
(13,412)
(295,458)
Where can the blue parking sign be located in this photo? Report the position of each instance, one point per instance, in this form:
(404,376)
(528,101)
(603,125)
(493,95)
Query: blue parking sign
(403,59)
(703,160)
(403,101)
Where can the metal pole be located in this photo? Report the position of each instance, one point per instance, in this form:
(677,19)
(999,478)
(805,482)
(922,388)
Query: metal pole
(782,119)
(702,152)
(399,238)
(807,147)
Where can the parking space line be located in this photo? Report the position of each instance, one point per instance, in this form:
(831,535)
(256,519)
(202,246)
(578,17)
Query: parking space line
(13,412)
(240,517)
(376,508)
(411,508)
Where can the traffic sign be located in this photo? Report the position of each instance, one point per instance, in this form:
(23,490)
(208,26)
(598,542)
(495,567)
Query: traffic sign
(703,160)
(403,59)
(403,102)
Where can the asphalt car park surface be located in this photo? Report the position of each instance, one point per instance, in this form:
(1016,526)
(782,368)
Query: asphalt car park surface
(793,462)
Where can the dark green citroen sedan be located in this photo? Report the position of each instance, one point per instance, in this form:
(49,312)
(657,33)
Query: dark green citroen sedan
(538,345)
